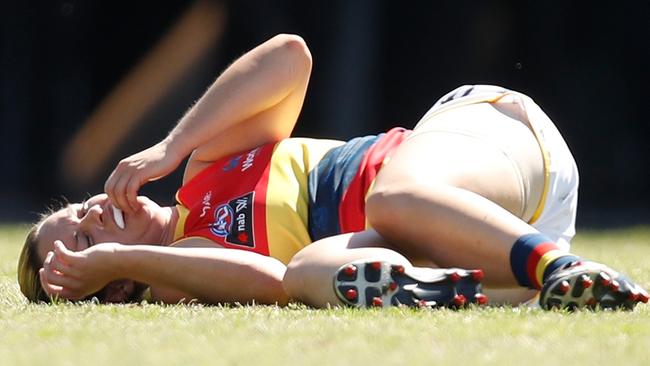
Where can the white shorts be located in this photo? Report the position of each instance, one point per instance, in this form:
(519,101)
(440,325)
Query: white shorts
(555,212)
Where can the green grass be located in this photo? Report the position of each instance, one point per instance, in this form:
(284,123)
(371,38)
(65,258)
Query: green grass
(66,334)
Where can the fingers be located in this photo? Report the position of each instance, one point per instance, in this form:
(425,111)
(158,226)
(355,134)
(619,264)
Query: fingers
(122,196)
(56,279)
(50,290)
(117,192)
(109,187)
(57,262)
(56,290)
(58,265)
(122,189)
(132,172)
(132,192)
(64,254)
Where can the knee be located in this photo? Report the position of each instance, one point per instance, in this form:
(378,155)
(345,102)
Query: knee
(306,281)
(381,204)
(388,208)
(386,205)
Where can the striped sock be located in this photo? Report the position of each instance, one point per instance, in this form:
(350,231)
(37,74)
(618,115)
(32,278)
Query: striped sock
(533,257)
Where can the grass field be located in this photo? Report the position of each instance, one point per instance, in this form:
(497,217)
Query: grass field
(170,335)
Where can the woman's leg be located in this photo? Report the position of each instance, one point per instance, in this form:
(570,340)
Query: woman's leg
(360,270)
(310,274)
(451,195)
(453,192)
(456,195)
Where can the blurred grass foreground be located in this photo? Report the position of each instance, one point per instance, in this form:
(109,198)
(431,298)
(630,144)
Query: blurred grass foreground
(65,334)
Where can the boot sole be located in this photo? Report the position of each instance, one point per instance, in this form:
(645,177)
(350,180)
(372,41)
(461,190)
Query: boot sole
(382,284)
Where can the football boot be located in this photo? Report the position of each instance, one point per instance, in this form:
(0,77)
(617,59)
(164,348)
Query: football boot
(584,284)
(383,284)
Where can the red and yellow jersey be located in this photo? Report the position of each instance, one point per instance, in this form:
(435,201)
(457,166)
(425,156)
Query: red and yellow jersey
(279,197)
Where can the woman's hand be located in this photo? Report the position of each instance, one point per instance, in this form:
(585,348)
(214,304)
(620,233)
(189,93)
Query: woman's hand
(134,171)
(75,275)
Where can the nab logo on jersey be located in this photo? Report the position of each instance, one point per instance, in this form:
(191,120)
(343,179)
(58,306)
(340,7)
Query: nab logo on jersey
(234,221)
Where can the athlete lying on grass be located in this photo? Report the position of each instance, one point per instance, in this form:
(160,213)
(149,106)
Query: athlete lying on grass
(484,181)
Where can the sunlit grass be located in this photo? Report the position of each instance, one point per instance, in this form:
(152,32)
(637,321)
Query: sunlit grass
(170,335)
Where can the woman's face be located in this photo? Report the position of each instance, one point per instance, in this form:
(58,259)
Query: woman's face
(82,225)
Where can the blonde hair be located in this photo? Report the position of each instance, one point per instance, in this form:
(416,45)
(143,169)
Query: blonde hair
(28,267)
(29,263)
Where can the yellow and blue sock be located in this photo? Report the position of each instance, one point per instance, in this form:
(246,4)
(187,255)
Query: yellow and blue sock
(533,257)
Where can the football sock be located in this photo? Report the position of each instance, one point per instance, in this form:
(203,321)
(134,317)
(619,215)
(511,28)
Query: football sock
(534,257)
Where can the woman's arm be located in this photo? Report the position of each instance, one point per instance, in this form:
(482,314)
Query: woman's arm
(256,100)
(260,94)
(211,275)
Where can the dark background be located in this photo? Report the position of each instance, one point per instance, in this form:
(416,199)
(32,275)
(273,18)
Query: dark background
(376,64)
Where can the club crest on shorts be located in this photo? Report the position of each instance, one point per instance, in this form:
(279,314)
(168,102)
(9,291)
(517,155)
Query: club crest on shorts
(233,221)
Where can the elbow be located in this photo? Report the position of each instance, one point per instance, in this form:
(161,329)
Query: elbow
(276,294)
(268,288)
(295,49)
(271,292)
